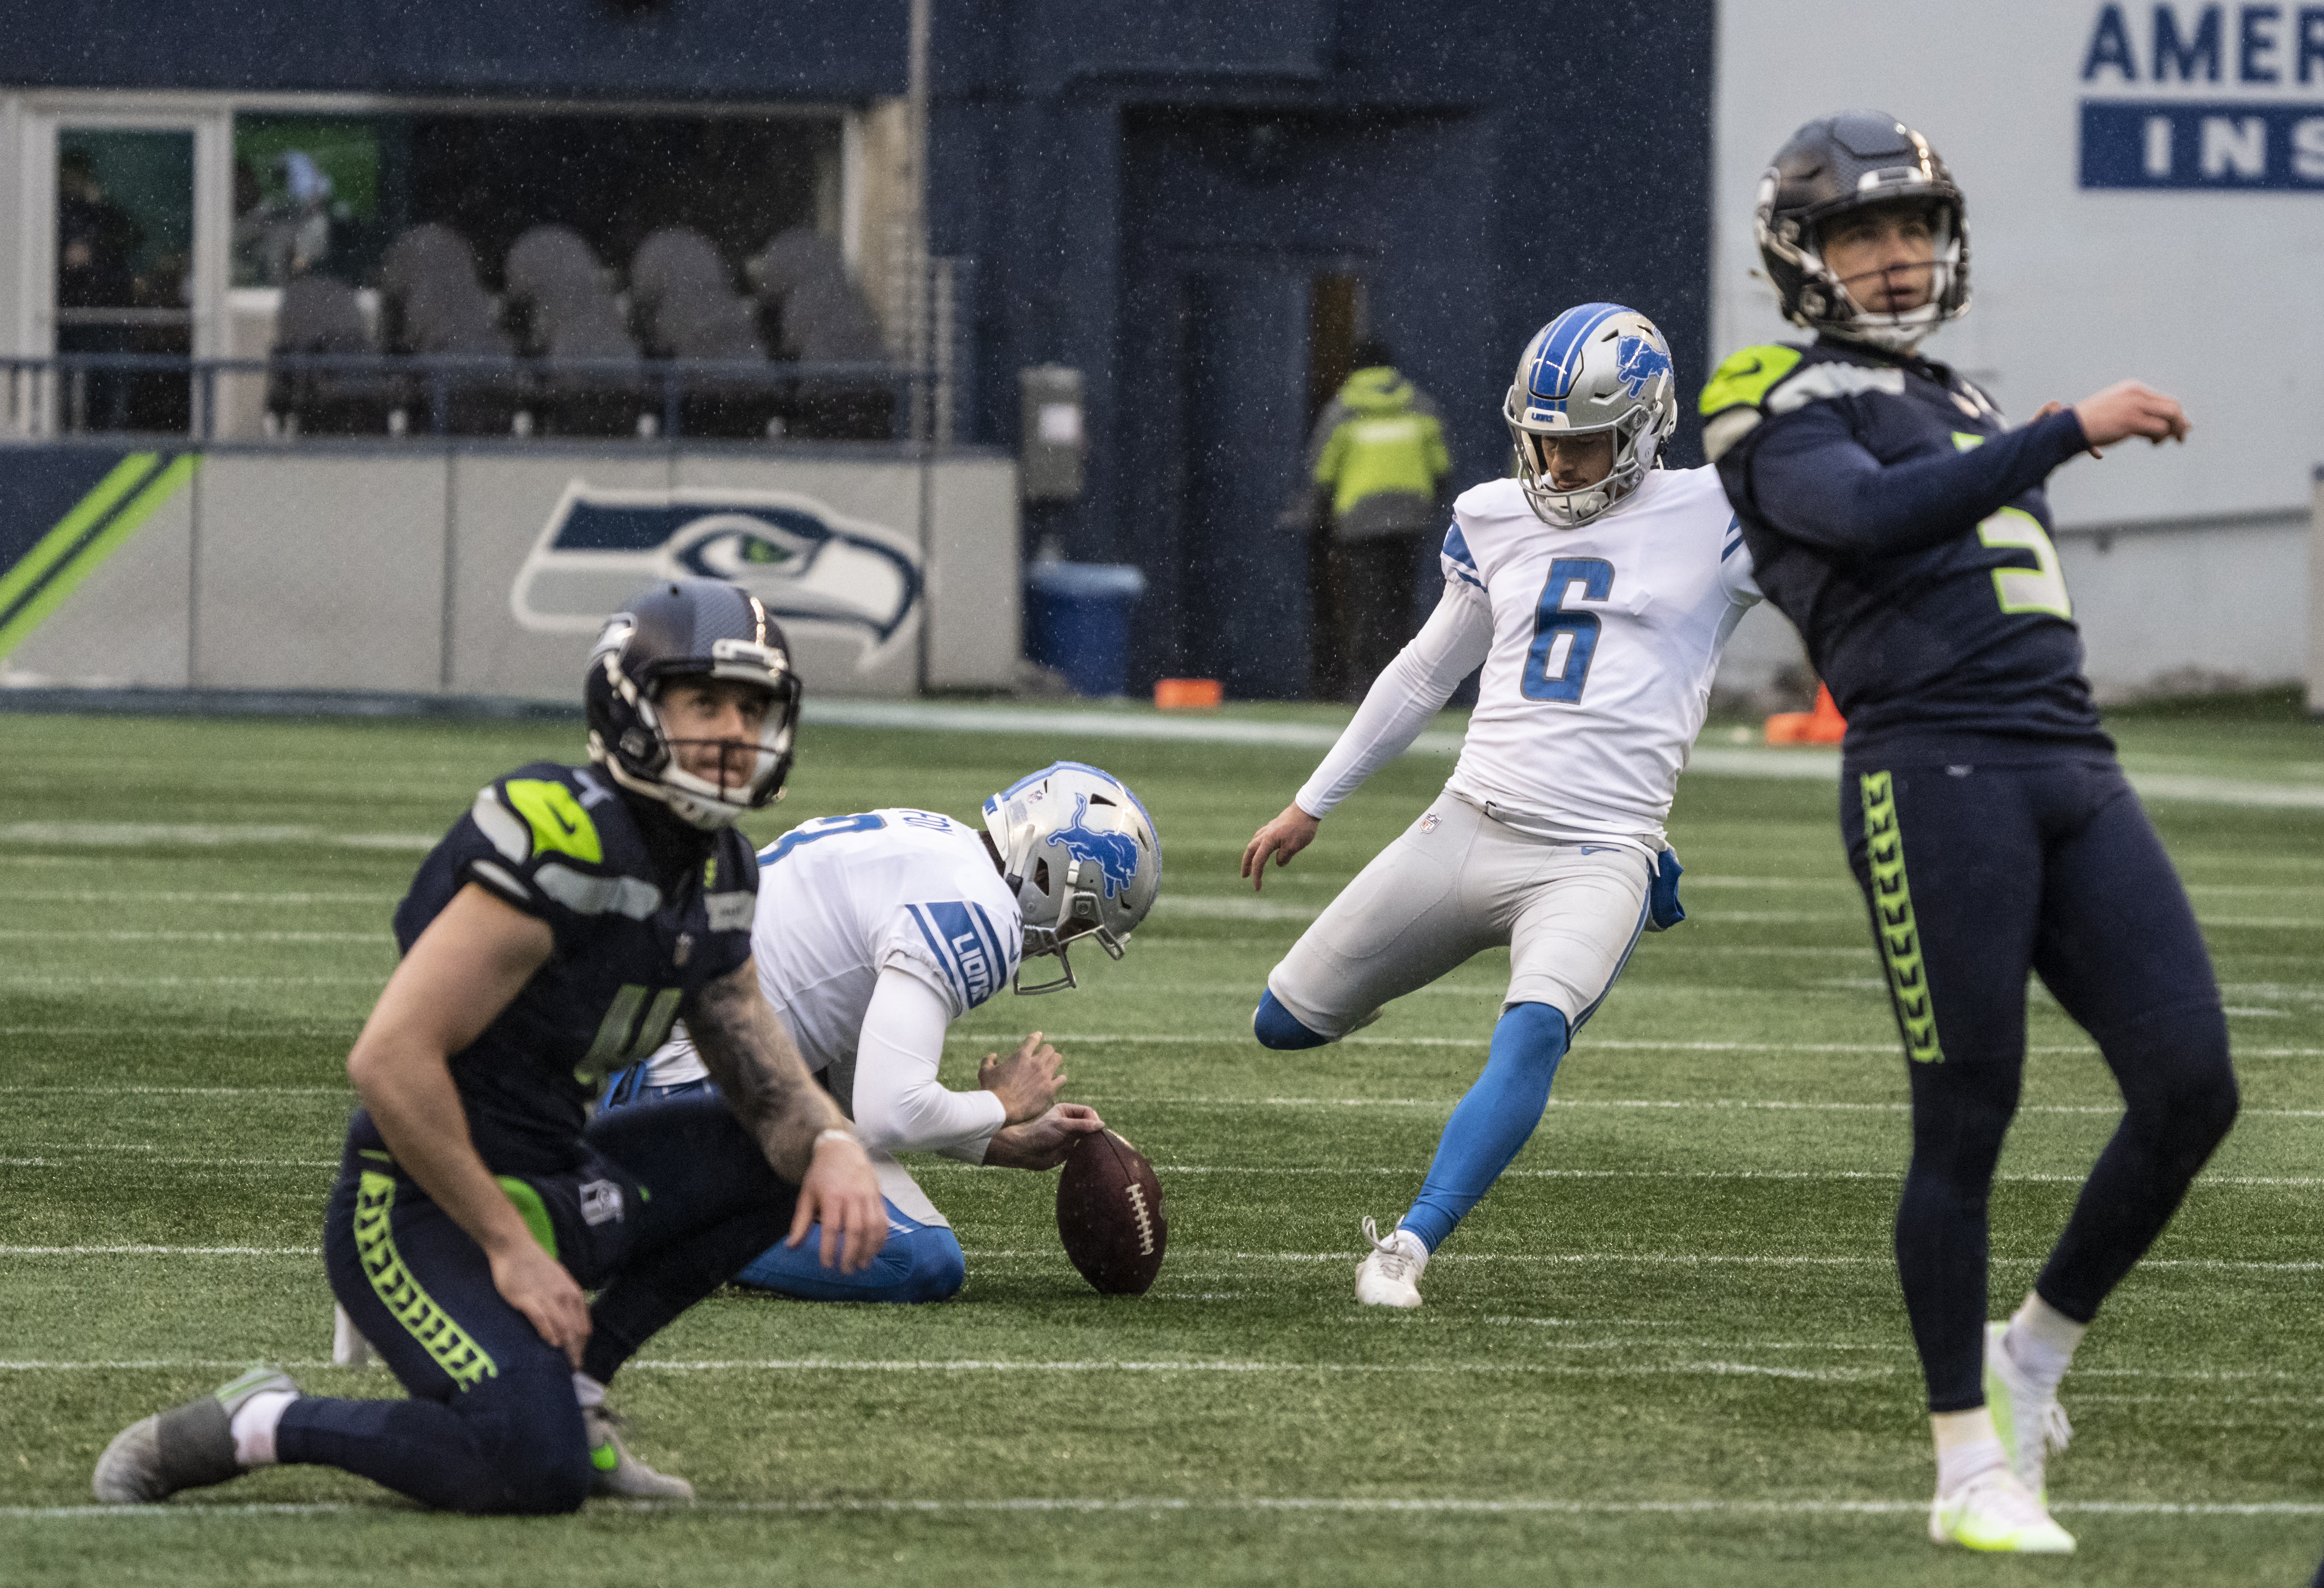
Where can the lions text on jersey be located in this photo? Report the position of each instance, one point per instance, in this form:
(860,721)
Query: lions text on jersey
(843,898)
(1598,644)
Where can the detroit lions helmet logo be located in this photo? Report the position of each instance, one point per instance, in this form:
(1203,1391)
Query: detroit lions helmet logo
(1636,363)
(1114,853)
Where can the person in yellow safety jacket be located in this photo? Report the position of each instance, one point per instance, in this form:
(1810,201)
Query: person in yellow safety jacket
(1377,465)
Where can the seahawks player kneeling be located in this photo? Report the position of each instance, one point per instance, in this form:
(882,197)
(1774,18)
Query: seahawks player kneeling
(876,930)
(553,935)
(1597,590)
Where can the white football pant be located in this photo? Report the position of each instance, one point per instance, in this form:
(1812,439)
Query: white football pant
(1458,881)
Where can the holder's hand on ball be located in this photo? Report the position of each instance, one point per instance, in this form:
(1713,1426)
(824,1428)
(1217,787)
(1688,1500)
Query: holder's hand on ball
(1043,1143)
(1025,1082)
(1283,837)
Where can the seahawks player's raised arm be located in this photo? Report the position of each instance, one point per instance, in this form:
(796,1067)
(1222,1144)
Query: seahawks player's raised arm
(758,1070)
(1805,472)
(1409,692)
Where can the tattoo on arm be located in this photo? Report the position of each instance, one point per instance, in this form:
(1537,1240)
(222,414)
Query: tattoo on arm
(758,1071)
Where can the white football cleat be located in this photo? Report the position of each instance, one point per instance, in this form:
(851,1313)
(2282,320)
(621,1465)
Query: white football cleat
(1995,1512)
(2031,1424)
(1390,1276)
(619,1474)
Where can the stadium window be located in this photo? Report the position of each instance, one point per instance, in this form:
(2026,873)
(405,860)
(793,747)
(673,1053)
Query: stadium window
(124,241)
(330,193)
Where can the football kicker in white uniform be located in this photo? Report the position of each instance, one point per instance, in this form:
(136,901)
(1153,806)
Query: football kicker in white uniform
(1597,590)
(874,932)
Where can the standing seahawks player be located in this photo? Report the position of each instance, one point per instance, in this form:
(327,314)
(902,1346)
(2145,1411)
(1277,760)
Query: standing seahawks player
(874,932)
(1597,589)
(1899,521)
(553,935)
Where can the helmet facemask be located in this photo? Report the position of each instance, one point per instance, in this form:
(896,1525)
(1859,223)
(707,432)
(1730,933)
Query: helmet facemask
(1636,442)
(1835,303)
(648,760)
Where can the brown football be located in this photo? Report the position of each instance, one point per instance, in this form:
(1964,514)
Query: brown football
(1110,1215)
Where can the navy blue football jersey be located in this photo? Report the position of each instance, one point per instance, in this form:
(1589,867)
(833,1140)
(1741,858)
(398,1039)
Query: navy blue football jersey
(1899,521)
(643,917)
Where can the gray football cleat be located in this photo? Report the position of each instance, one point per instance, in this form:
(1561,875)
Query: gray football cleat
(619,1474)
(190,1447)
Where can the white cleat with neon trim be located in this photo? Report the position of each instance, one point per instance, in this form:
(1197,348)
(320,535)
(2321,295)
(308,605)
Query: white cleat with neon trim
(1995,1512)
(1390,1276)
(2031,1424)
(618,1474)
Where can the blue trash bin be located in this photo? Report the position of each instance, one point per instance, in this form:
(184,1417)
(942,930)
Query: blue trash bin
(1077,621)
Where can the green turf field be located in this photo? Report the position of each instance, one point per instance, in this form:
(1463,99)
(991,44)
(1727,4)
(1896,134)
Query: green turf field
(1668,1350)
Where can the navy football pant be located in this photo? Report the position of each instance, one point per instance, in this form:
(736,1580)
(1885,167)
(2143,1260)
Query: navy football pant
(1975,875)
(671,1202)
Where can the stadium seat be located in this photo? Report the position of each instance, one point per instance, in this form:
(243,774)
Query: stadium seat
(320,315)
(682,293)
(431,302)
(806,292)
(559,292)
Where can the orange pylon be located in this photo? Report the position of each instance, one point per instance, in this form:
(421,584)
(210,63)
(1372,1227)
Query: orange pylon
(1823,725)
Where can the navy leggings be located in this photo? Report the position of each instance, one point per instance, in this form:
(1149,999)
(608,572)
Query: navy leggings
(1975,874)
(668,1204)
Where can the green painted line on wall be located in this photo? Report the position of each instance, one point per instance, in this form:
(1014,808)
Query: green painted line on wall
(99,538)
(86,513)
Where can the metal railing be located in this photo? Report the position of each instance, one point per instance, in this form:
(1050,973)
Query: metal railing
(254,398)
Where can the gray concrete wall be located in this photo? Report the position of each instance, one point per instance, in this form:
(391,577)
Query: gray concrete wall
(445,571)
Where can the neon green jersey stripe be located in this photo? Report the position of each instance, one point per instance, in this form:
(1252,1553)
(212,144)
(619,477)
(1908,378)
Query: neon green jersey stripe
(51,547)
(108,540)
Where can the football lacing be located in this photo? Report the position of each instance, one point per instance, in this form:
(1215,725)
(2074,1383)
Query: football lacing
(1145,1220)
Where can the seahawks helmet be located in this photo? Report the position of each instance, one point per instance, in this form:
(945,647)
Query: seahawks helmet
(1597,368)
(688,629)
(1848,161)
(1081,853)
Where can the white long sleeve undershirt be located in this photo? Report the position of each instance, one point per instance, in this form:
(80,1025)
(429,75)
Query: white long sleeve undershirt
(1410,690)
(899,1105)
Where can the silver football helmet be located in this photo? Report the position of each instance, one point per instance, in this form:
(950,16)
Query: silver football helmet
(1081,853)
(1598,368)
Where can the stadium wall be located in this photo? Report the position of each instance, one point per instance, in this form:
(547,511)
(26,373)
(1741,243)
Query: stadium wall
(1125,179)
(2142,203)
(486,571)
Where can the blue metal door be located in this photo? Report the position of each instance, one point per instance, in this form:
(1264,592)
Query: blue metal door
(1245,572)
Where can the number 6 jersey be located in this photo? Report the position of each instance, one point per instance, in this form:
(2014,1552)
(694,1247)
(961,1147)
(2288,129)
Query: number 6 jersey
(1598,646)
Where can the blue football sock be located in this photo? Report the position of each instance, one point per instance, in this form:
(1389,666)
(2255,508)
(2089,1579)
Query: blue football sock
(1492,1122)
(1277,1027)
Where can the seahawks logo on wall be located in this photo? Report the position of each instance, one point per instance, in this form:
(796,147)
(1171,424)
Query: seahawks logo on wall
(815,569)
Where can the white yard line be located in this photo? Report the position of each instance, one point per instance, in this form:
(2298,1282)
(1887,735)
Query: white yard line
(1651,1258)
(12,933)
(53,984)
(1199,1506)
(1163,1101)
(192,896)
(160,1251)
(205,835)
